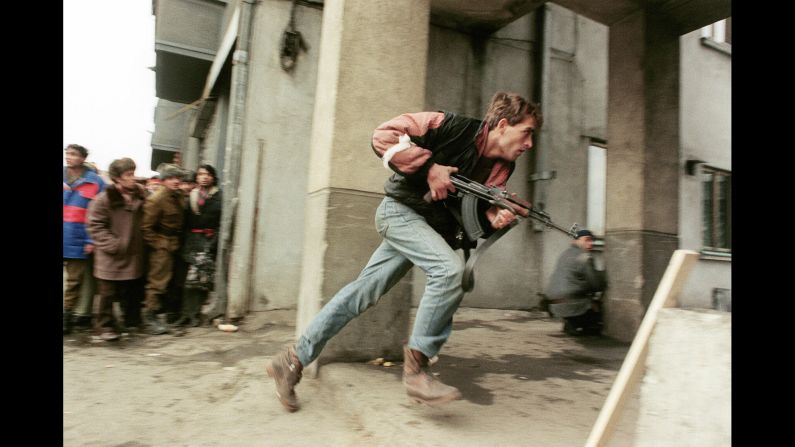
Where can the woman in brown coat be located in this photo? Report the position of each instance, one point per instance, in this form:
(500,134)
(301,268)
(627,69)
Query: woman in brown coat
(114,223)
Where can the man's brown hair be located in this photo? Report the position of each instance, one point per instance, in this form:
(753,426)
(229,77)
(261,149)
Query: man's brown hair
(119,167)
(513,108)
(83,151)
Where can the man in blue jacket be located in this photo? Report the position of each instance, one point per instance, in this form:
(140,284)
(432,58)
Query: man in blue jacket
(80,186)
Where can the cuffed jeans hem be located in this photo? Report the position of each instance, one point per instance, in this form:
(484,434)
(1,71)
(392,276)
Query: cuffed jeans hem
(414,346)
(430,346)
(304,351)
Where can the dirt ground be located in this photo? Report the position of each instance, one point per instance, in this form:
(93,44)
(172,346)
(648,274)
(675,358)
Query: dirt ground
(524,384)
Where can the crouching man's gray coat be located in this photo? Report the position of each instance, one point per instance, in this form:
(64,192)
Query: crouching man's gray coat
(573,283)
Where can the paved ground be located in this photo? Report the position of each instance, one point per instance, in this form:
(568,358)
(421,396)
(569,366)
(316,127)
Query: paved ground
(524,384)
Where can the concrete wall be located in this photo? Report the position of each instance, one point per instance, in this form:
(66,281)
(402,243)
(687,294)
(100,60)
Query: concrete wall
(706,135)
(452,82)
(191,154)
(575,109)
(275,168)
(508,60)
(505,275)
(641,222)
(214,141)
(592,68)
(685,393)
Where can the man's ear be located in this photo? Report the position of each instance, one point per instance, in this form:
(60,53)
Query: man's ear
(502,123)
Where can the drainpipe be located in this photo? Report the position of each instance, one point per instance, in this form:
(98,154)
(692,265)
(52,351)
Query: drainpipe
(540,88)
(232,156)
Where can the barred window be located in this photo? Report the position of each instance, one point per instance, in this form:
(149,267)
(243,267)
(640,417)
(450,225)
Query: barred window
(717,211)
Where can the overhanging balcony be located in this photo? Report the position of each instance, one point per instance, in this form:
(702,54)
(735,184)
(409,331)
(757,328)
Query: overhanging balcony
(187,35)
(489,16)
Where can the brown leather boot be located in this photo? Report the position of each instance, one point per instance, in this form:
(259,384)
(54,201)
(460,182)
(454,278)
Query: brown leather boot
(286,371)
(420,384)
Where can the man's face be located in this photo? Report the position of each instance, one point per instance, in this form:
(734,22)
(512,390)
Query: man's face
(74,159)
(585,242)
(204,178)
(127,180)
(187,187)
(172,183)
(517,139)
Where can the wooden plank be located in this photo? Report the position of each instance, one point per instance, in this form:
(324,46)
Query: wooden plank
(631,370)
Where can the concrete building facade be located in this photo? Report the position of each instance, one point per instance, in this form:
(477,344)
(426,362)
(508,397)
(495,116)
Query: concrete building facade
(705,157)
(286,105)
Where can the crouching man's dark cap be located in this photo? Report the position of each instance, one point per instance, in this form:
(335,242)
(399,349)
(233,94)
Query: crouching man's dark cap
(582,233)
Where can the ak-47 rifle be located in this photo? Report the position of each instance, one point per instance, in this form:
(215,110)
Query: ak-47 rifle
(470,192)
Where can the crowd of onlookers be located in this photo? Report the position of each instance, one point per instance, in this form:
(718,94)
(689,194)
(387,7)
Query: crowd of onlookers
(147,244)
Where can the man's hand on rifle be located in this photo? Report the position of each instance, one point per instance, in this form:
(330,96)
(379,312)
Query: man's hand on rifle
(521,210)
(499,217)
(439,181)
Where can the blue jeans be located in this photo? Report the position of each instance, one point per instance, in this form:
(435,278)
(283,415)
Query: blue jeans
(408,240)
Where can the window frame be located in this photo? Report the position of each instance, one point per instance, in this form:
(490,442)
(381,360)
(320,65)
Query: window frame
(599,236)
(718,36)
(711,246)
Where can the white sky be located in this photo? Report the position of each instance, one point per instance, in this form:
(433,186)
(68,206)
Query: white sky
(108,87)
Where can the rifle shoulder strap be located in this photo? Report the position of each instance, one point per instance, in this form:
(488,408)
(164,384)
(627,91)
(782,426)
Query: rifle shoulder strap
(468,282)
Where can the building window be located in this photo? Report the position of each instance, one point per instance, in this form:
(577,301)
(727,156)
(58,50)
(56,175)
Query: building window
(716,210)
(720,31)
(597,189)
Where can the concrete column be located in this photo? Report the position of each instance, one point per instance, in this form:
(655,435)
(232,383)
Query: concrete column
(234,254)
(372,67)
(190,155)
(642,166)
